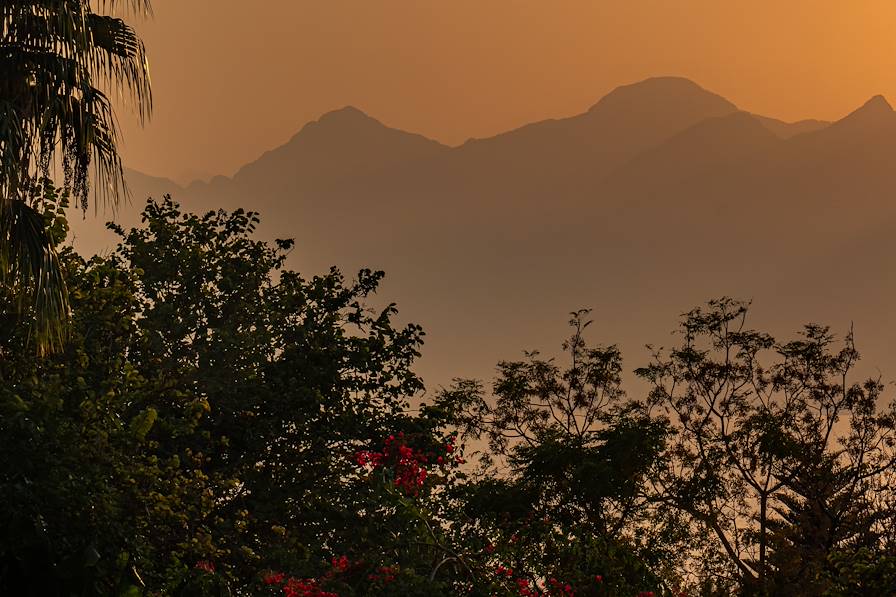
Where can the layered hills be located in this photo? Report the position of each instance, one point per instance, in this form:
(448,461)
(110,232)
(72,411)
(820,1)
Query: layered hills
(658,197)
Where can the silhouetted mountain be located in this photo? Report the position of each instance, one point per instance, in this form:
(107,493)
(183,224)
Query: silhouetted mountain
(89,234)
(658,197)
(699,150)
(341,145)
(142,185)
(555,155)
(643,114)
(786,130)
(875,113)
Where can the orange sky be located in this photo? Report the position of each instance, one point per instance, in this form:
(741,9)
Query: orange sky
(231,82)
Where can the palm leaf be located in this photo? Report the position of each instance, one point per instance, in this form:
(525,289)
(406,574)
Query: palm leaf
(60,62)
(30,267)
(60,50)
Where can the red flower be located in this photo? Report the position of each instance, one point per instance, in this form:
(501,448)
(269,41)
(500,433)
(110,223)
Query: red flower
(386,575)
(305,588)
(205,566)
(341,563)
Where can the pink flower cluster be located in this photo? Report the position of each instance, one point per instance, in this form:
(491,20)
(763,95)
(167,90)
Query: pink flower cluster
(552,588)
(297,587)
(340,564)
(307,587)
(557,587)
(384,574)
(409,464)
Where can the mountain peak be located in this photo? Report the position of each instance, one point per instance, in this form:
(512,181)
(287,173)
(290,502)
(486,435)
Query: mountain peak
(875,110)
(343,123)
(348,116)
(339,142)
(664,82)
(346,112)
(661,89)
(878,102)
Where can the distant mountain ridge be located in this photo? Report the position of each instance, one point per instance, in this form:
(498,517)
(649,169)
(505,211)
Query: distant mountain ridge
(631,118)
(630,110)
(660,195)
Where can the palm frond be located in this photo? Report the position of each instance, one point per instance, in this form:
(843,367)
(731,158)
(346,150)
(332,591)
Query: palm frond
(60,63)
(30,268)
(60,59)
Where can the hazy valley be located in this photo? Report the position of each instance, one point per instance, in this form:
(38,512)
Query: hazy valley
(660,196)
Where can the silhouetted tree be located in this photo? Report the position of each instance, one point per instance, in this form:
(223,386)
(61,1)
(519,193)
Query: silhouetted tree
(218,424)
(206,413)
(563,485)
(779,460)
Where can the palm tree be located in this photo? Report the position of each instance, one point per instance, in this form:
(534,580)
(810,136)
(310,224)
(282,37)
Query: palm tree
(60,61)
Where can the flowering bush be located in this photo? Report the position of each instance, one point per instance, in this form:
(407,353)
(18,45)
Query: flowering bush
(214,415)
(351,577)
(305,587)
(408,467)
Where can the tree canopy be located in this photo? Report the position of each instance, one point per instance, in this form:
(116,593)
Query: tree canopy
(217,424)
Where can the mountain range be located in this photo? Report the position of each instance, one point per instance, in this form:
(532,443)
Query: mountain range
(660,196)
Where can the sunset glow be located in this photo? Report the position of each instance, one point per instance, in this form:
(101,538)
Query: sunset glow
(473,68)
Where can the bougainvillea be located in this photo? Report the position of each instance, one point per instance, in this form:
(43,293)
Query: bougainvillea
(515,584)
(408,466)
(307,587)
(230,421)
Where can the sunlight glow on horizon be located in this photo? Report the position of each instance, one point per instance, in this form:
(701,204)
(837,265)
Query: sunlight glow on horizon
(231,83)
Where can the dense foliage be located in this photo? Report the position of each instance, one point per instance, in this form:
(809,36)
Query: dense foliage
(216,424)
(781,458)
(211,423)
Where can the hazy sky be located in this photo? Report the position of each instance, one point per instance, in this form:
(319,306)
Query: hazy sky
(234,78)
